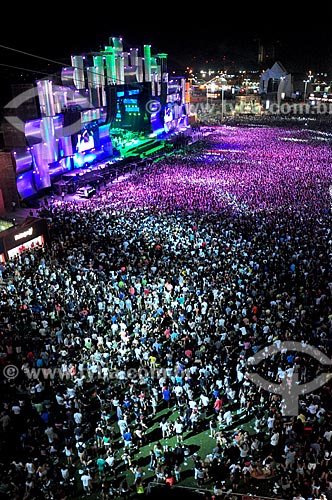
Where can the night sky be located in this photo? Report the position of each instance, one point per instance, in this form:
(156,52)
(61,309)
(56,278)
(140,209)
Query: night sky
(199,41)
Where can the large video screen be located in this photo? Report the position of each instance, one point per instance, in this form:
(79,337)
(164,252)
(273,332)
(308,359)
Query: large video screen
(85,140)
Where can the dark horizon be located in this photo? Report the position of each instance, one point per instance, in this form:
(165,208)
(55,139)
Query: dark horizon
(299,50)
(40,53)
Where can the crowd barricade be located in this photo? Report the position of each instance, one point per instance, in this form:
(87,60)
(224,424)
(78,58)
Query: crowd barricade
(190,492)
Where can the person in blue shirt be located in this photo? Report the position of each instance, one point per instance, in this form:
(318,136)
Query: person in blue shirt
(215,392)
(127,437)
(45,417)
(127,402)
(166,396)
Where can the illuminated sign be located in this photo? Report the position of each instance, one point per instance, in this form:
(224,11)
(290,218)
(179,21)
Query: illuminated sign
(25,234)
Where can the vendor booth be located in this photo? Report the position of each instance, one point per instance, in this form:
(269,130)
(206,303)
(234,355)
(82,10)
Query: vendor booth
(32,234)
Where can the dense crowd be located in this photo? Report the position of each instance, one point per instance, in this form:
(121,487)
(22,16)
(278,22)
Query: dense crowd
(150,302)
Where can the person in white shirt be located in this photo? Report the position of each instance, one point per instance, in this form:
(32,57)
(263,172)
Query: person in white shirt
(164,426)
(178,391)
(78,417)
(179,427)
(30,468)
(320,413)
(59,399)
(110,460)
(270,422)
(313,409)
(123,426)
(227,418)
(298,497)
(86,481)
(274,439)
(244,450)
(204,400)
(50,434)
(328,435)
(16,409)
(65,472)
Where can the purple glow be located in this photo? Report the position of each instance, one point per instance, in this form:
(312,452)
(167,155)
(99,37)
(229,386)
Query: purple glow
(251,170)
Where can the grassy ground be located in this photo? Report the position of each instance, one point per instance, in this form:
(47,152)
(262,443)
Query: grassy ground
(200,443)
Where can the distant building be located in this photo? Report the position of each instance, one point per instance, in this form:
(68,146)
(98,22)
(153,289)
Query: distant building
(276,82)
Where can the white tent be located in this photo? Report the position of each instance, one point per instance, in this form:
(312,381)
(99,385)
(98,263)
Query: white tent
(277,72)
